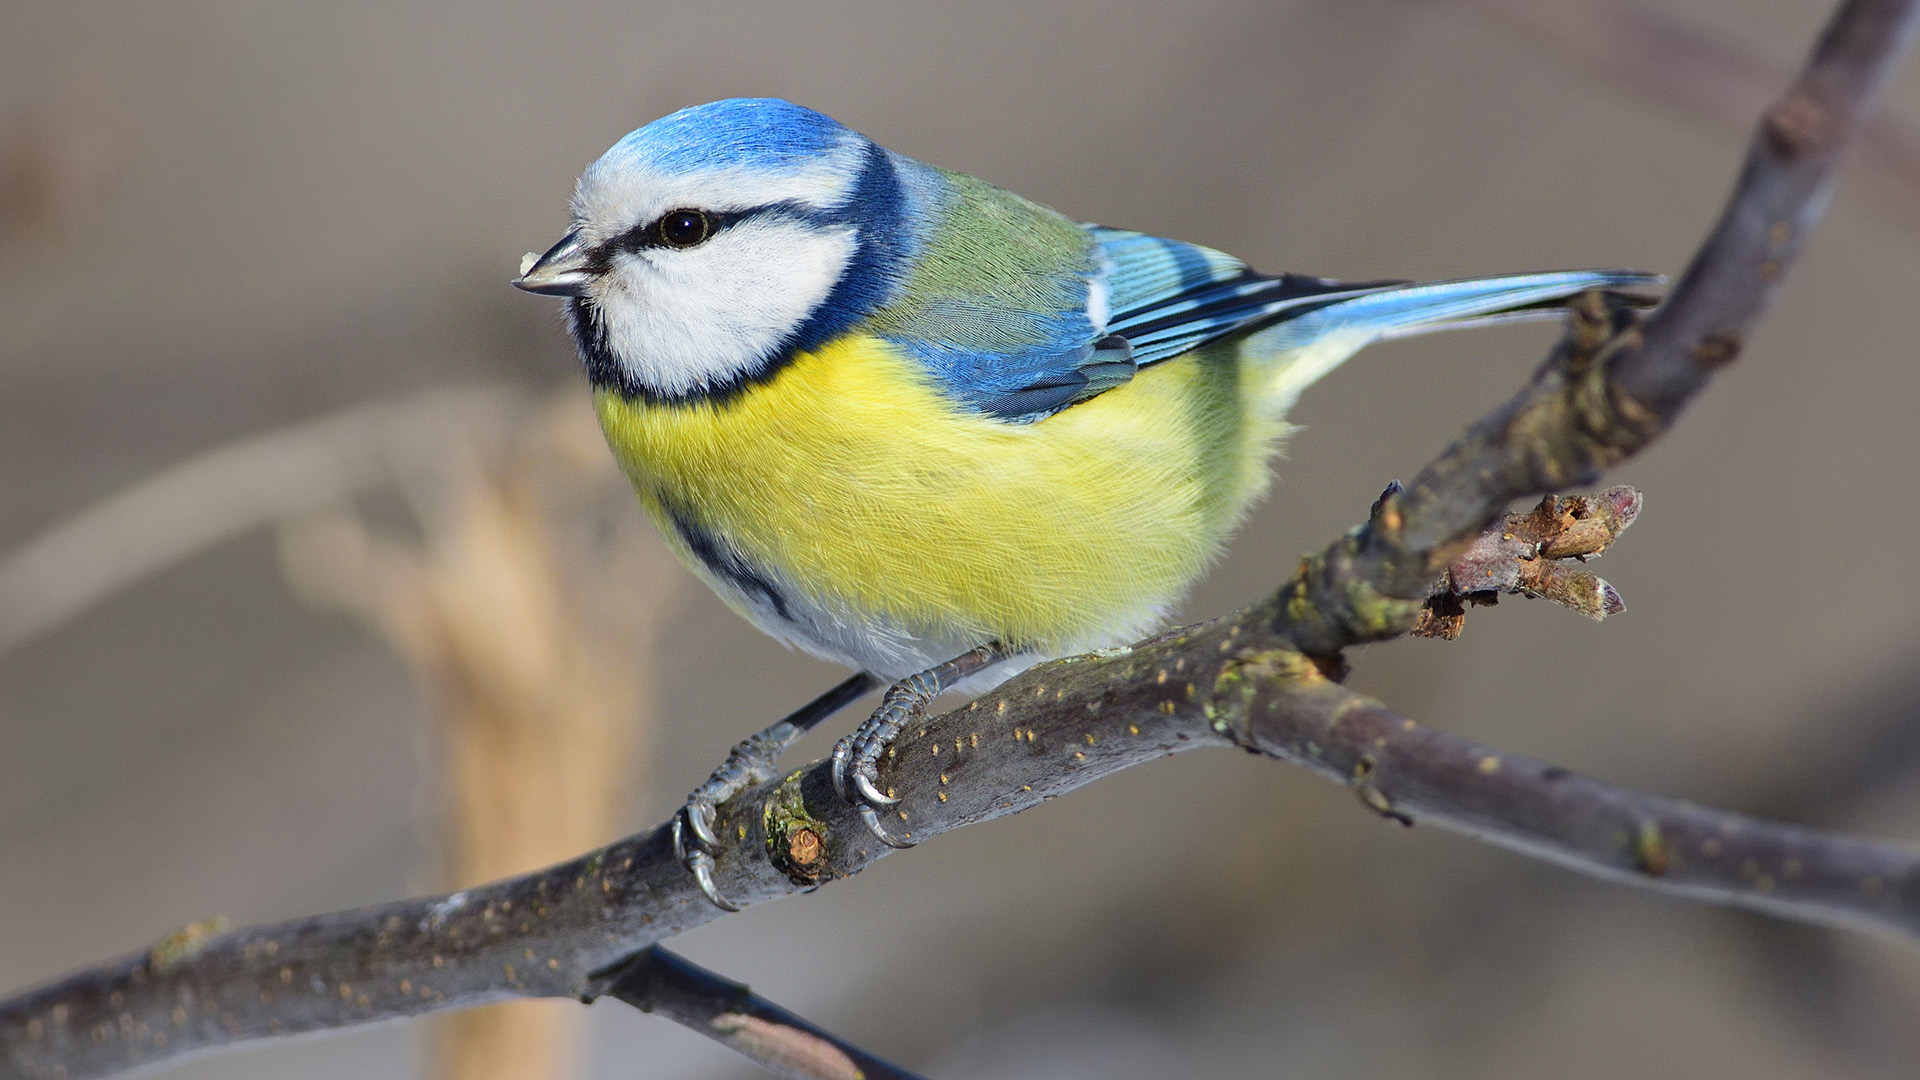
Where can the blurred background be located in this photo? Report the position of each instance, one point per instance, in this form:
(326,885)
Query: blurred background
(317,590)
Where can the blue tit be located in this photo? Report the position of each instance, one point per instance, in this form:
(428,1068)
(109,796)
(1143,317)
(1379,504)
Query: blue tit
(895,415)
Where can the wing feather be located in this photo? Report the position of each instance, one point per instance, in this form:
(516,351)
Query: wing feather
(1129,300)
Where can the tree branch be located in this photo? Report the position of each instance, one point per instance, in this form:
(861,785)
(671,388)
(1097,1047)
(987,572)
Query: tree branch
(570,930)
(1263,679)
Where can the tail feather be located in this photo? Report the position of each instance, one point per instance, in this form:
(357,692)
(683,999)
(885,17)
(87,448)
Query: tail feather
(1317,341)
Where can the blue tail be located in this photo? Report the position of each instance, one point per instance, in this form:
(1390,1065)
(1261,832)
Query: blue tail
(1402,310)
(1318,340)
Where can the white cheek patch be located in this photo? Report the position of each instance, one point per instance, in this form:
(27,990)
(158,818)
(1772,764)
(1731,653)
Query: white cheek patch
(683,320)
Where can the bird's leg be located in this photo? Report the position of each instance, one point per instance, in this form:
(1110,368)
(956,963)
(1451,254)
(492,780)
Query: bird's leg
(856,757)
(751,762)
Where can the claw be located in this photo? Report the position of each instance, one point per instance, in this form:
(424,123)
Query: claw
(697,861)
(702,867)
(872,818)
(841,752)
(873,795)
(700,819)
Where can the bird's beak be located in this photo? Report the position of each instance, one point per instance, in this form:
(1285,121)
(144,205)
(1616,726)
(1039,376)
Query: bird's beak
(562,271)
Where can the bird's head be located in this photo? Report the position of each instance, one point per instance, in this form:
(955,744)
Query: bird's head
(713,243)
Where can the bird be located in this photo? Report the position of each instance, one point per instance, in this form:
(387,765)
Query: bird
(925,428)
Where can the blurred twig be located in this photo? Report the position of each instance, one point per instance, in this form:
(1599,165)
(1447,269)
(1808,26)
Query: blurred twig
(226,492)
(1686,66)
(536,723)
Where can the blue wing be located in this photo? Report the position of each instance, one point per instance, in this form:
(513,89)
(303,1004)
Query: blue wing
(1152,299)
(1167,297)
(1148,299)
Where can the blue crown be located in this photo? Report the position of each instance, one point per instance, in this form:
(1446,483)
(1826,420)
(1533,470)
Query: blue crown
(762,133)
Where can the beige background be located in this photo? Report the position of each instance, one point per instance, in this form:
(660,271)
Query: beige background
(221,217)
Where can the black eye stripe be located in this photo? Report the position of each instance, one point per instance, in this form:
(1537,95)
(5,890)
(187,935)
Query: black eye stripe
(646,235)
(651,234)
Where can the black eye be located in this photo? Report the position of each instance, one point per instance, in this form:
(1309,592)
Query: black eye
(684,228)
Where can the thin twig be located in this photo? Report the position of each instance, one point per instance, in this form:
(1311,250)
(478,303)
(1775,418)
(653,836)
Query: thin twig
(1543,553)
(665,984)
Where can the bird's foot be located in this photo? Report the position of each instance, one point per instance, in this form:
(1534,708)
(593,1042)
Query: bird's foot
(753,761)
(856,758)
(694,838)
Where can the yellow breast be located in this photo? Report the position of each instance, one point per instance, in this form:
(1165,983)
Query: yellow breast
(852,478)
